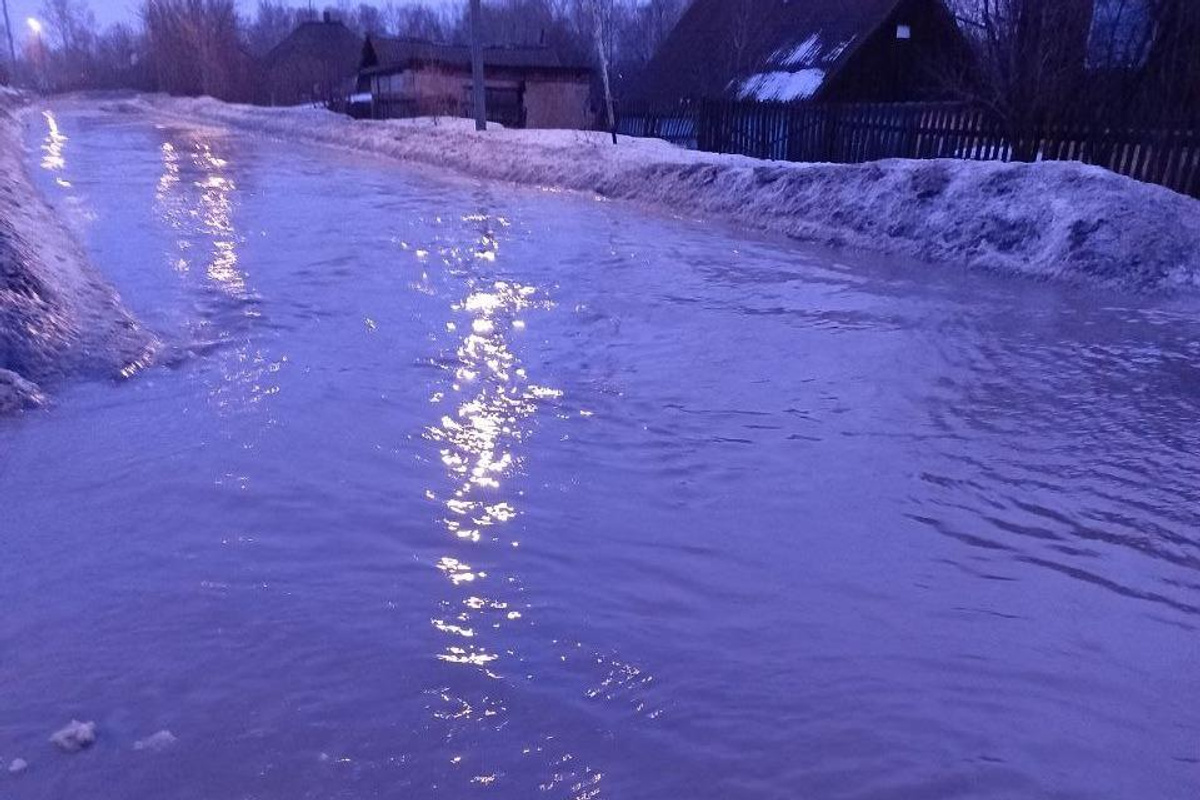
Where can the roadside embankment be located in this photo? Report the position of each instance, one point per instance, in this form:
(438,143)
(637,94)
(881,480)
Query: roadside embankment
(1053,220)
(58,317)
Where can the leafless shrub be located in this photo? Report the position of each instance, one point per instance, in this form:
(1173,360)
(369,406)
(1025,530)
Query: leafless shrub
(1039,63)
(196,49)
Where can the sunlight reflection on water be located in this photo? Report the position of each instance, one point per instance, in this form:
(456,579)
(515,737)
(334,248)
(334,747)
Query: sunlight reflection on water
(54,148)
(479,436)
(196,197)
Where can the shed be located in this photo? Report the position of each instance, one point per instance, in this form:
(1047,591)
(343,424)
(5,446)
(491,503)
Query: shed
(525,86)
(791,50)
(315,64)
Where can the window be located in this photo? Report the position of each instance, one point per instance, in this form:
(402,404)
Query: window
(904,32)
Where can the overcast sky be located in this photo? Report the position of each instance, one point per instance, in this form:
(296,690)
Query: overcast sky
(109,11)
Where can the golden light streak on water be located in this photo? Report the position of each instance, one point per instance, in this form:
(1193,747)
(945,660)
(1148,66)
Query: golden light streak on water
(196,198)
(54,147)
(490,402)
(216,210)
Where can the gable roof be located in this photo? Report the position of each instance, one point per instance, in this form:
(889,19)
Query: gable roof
(779,50)
(384,54)
(331,42)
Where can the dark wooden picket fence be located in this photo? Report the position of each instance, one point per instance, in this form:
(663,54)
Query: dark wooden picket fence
(1167,154)
(508,115)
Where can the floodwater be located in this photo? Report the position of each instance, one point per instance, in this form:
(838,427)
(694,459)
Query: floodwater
(458,490)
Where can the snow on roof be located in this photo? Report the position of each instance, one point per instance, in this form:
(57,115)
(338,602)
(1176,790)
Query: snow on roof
(800,55)
(812,52)
(719,45)
(781,86)
(793,72)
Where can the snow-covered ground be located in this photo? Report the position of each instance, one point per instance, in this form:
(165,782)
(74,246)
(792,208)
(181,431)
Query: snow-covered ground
(1049,220)
(57,315)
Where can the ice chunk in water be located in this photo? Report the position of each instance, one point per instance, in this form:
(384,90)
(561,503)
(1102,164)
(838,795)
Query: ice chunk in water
(75,736)
(159,741)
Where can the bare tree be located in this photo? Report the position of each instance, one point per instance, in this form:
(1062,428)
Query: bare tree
(70,23)
(196,48)
(271,23)
(12,47)
(1035,63)
(599,19)
(368,20)
(522,22)
(1026,63)
(117,59)
(643,27)
(70,41)
(1150,52)
(417,22)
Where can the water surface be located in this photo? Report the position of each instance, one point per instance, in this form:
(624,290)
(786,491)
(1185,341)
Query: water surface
(455,489)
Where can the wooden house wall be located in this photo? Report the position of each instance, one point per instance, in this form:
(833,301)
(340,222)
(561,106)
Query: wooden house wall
(889,69)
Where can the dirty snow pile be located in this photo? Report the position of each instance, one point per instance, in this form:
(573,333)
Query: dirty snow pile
(1050,220)
(58,318)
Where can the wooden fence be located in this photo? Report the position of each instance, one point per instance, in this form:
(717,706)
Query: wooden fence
(508,115)
(1168,155)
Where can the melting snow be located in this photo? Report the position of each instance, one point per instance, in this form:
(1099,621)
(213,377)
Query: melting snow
(835,52)
(782,86)
(810,53)
(58,316)
(158,742)
(75,737)
(803,54)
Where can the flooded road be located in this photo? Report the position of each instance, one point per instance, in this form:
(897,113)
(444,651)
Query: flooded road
(461,490)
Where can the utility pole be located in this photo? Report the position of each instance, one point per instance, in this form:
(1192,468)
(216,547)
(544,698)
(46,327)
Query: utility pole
(12,48)
(478,96)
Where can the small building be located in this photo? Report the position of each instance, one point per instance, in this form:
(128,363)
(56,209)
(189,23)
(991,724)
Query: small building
(317,63)
(526,87)
(786,51)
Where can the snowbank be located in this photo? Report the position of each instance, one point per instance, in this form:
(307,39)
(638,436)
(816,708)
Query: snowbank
(58,318)
(1051,220)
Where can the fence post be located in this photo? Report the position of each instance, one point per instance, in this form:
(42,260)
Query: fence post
(831,124)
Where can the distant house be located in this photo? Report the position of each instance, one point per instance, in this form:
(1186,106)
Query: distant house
(792,50)
(315,64)
(526,87)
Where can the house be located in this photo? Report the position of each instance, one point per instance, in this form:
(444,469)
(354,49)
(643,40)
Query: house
(315,64)
(526,87)
(792,50)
